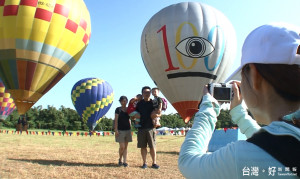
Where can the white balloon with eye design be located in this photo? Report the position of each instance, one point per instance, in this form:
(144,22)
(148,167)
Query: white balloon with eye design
(184,47)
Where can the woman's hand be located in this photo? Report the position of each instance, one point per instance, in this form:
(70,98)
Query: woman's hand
(117,133)
(205,90)
(237,96)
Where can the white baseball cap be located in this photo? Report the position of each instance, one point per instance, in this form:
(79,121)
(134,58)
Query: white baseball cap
(275,43)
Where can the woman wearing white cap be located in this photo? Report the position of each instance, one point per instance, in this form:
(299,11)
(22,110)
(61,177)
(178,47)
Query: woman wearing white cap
(270,87)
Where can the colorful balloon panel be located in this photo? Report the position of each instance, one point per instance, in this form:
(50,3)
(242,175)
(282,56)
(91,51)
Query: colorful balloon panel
(184,47)
(40,42)
(92,99)
(6,102)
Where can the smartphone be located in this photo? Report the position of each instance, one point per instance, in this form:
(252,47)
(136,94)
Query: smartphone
(221,91)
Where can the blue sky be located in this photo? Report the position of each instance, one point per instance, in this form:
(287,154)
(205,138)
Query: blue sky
(113,53)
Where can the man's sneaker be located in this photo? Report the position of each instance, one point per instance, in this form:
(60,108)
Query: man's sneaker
(120,163)
(155,166)
(144,166)
(125,164)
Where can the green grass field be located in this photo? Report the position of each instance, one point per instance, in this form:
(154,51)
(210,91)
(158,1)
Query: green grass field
(47,156)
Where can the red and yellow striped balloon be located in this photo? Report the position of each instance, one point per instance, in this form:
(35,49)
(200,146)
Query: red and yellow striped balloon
(7,104)
(40,42)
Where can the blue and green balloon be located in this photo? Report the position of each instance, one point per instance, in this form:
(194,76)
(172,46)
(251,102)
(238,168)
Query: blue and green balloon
(92,98)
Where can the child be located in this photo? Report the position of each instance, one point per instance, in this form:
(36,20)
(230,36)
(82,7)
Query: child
(157,105)
(131,110)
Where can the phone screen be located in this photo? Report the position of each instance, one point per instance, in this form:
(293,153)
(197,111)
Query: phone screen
(221,93)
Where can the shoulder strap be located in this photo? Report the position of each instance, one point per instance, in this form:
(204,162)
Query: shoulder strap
(283,148)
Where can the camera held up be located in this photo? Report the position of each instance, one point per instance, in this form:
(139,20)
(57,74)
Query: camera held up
(222,92)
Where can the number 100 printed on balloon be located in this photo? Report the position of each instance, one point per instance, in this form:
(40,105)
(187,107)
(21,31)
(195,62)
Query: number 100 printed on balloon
(194,47)
(184,47)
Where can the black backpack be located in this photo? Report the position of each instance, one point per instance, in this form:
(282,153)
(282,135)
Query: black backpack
(284,148)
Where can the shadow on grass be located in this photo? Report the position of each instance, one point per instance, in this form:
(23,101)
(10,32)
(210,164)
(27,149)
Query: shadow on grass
(169,152)
(64,163)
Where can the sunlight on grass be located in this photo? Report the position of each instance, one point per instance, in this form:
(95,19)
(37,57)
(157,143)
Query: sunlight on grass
(37,156)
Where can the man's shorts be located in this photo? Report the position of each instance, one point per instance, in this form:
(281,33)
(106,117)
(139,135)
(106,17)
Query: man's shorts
(146,136)
(124,136)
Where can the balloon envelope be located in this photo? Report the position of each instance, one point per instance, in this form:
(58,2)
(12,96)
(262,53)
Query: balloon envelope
(40,42)
(92,99)
(6,102)
(184,47)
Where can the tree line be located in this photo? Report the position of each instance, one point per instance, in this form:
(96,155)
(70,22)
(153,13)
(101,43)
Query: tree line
(64,118)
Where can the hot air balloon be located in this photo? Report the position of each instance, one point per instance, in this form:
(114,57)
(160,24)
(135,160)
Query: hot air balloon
(92,98)
(184,47)
(6,102)
(40,42)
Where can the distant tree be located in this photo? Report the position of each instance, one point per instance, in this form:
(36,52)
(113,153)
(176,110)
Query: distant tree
(224,120)
(11,120)
(68,119)
(172,121)
(32,116)
(105,124)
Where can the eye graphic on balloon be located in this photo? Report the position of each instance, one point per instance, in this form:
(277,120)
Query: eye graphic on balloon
(195,47)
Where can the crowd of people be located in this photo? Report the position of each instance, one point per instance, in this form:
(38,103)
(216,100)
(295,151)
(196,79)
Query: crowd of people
(145,114)
(22,124)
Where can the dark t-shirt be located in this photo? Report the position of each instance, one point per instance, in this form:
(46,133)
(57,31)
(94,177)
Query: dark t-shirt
(156,102)
(123,119)
(145,108)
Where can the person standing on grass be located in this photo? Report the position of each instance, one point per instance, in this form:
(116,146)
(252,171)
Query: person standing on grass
(122,130)
(146,133)
(270,87)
